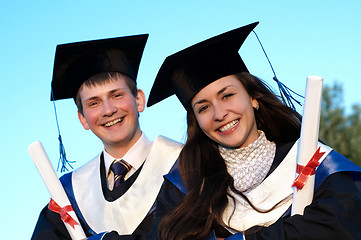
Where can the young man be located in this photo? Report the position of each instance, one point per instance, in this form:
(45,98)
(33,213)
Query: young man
(101,76)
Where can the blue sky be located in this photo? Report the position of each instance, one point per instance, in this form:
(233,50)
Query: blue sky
(301,38)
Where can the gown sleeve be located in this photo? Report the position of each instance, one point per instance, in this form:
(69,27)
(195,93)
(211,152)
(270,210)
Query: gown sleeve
(335,213)
(50,226)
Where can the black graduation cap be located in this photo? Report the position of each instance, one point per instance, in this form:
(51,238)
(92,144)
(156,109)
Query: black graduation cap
(76,62)
(186,72)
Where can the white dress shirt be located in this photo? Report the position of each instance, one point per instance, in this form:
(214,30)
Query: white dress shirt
(135,157)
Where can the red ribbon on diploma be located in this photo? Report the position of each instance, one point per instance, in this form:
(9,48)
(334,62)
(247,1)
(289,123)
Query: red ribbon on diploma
(53,206)
(305,171)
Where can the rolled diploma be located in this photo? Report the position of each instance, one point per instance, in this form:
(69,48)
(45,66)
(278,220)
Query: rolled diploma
(55,188)
(308,141)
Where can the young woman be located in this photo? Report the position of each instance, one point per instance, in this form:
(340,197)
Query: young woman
(234,175)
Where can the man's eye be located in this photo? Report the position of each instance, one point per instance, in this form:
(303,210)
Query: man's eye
(92,104)
(118,95)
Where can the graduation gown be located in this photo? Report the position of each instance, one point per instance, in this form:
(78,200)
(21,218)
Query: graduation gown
(127,211)
(335,212)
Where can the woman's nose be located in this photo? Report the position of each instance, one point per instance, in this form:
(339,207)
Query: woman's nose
(220,113)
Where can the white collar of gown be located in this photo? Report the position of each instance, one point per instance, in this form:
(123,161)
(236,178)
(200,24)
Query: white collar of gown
(126,213)
(274,189)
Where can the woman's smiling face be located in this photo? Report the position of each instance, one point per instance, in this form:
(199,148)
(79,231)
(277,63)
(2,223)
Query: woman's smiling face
(225,112)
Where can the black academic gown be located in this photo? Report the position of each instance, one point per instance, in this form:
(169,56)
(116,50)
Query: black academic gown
(50,226)
(335,212)
(146,182)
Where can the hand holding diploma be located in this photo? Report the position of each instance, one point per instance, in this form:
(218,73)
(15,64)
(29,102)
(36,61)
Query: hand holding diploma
(307,144)
(59,202)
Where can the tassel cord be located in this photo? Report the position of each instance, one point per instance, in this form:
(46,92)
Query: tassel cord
(285,92)
(62,158)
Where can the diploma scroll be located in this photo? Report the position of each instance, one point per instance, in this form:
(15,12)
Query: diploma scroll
(56,190)
(308,141)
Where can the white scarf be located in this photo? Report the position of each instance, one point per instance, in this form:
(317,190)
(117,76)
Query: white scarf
(249,165)
(274,191)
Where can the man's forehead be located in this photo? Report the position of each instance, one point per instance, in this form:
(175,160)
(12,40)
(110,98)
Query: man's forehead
(103,89)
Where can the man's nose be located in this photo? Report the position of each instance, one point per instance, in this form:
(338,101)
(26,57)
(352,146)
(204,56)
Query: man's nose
(108,108)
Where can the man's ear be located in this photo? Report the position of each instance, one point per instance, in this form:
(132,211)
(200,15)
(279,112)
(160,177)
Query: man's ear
(140,100)
(83,121)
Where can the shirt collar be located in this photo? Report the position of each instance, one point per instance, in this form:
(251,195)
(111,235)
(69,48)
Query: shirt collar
(135,156)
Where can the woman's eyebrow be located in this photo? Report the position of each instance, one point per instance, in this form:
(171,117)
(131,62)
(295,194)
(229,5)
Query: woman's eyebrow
(218,93)
(199,102)
(223,89)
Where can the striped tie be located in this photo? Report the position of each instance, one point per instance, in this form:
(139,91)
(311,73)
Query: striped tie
(119,169)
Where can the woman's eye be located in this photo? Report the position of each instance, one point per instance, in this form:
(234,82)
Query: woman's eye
(201,109)
(228,95)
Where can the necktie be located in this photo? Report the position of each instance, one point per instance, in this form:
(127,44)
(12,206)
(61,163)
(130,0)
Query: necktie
(119,169)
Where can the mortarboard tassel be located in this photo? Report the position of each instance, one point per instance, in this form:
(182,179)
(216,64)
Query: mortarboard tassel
(285,92)
(62,158)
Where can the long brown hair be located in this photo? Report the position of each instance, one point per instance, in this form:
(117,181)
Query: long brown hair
(204,171)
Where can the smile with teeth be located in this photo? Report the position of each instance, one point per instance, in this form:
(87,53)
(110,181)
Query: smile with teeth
(112,123)
(228,126)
